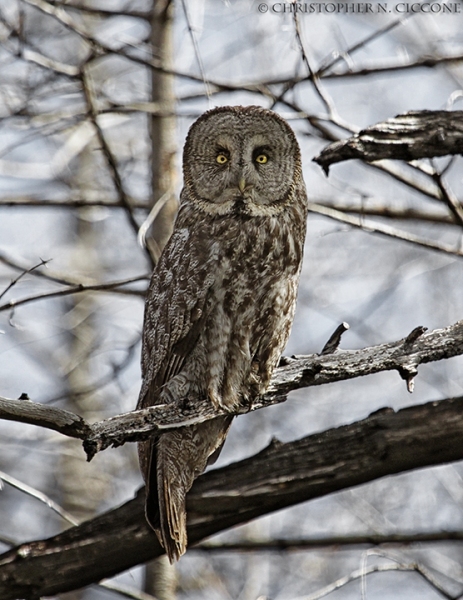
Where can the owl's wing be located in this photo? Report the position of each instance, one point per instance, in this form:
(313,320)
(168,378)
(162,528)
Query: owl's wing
(175,310)
(175,307)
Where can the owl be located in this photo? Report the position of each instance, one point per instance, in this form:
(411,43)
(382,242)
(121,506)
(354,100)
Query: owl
(221,300)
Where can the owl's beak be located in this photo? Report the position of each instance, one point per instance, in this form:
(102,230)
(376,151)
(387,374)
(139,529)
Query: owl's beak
(242,184)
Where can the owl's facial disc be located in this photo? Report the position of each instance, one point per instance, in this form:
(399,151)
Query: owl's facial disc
(241,162)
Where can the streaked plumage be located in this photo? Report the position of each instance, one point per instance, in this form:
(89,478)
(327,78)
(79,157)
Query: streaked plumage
(221,300)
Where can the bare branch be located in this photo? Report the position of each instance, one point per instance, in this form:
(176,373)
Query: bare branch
(389,212)
(79,288)
(110,158)
(396,65)
(281,475)
(386,230)
(25,411)
(25,272)
(30,491)
(404,356)
(315,80)
(48,63)
(125,591)
(335,339)
(101,11)
(339,57)
(347,541)
(364,571)
(413,135)
(60,14)
(454,206)
(69,203)
(409,174)
(303,372)
(196,50)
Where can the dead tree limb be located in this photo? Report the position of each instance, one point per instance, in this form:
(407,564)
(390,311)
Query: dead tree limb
(57,419)
(404,356)
(281,475)
(413,135)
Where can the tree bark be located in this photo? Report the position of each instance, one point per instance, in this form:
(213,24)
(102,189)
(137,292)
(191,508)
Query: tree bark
(281,475)
(413,135)
(403,356)
(160,575)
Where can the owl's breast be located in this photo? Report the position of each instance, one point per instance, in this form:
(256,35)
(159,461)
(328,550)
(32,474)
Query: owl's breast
(249,314)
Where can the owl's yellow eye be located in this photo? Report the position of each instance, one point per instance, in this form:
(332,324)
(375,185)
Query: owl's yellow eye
(261,159)
(221,158)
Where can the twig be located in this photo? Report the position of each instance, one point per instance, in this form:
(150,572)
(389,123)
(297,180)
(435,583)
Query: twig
(413,336)
(323,71)
(30,491)
(25,272)
(196,51)
(371,227)
(290,544)
(421,569)
(395,566)
(408,370)
(333,343)
(139,14)
(48,63)
(125,591)
(314,78)
(110,159)
(387,212)
(455,207)
(77,289)
(393,65)
(104,379)
(70,203)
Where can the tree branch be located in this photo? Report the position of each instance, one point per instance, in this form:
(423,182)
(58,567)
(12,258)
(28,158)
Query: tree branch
(57,419)
(337,541)
(111,286)
(279,476)
(386,230)
(404,356)
(413,135)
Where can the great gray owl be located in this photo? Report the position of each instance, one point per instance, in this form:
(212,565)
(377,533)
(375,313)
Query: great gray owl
(221,300)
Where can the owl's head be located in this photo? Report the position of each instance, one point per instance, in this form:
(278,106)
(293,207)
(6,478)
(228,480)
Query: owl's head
(241,159)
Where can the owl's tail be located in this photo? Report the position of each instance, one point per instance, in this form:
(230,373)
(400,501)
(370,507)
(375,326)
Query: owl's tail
(167,482)
(177,459)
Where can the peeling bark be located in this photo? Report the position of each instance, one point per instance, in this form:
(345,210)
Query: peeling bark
(413,135)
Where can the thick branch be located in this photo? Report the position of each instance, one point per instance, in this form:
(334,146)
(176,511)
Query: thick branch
(281,475)
(403,356)
(413,135)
